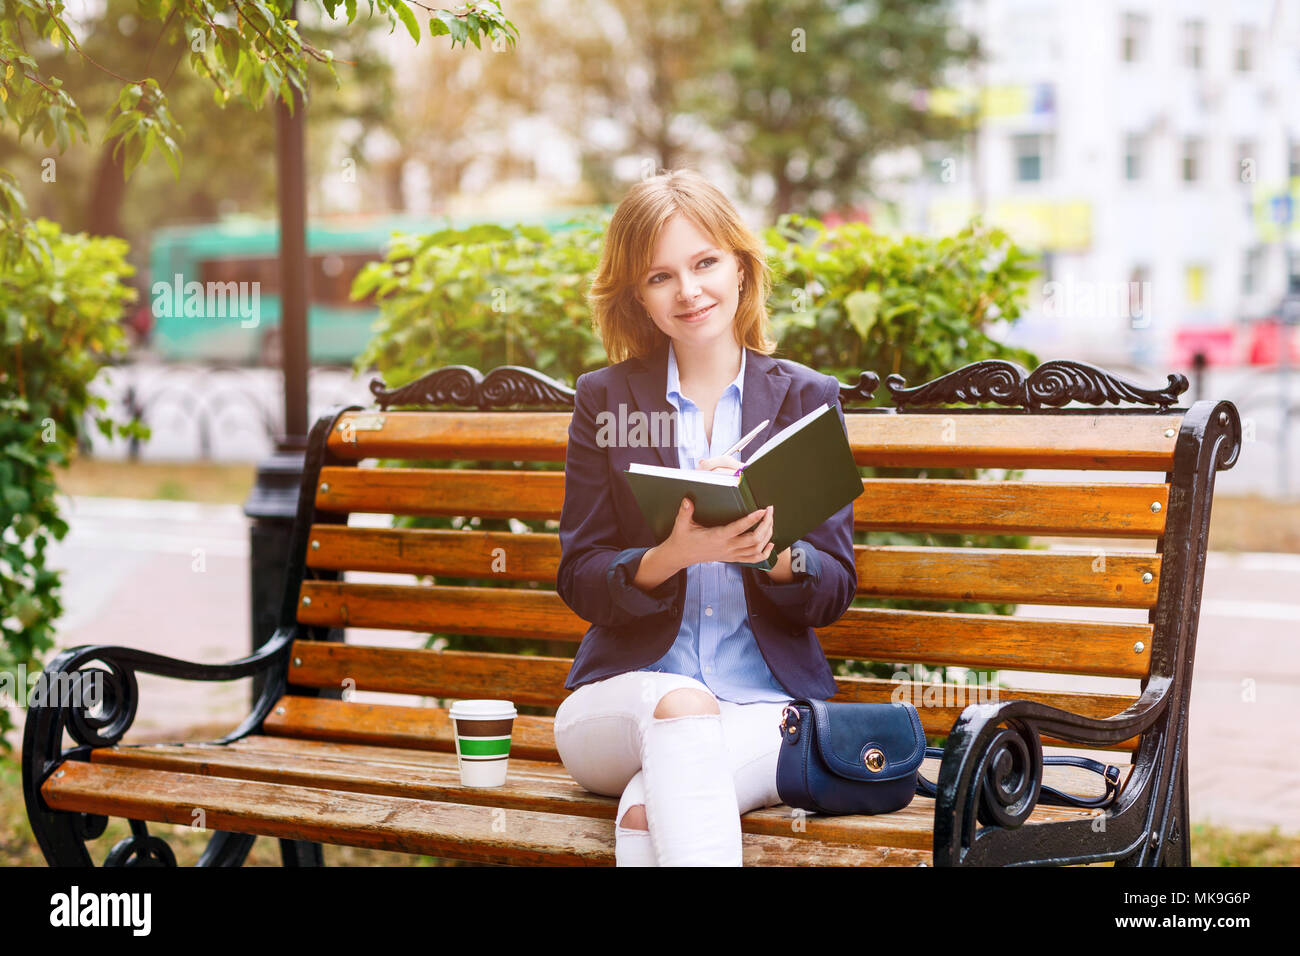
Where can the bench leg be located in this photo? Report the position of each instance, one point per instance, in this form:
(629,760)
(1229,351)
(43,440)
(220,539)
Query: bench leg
(1177,848)
(1174,848)
(301,853)
(227,849)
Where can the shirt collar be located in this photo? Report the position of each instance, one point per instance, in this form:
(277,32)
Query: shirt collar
(674,384)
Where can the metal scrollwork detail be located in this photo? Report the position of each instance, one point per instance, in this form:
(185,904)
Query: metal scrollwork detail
(140,849)
(505,386)
(100,703)
(1225,420)
(1010,776)
(1052,385)
(862,391)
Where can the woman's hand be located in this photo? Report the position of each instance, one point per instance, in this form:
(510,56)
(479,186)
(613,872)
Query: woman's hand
(692,543)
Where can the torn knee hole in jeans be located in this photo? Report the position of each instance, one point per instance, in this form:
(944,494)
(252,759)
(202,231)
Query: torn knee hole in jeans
(626,828)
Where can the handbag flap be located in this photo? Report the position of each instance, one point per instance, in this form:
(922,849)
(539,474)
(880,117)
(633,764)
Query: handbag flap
(845,732)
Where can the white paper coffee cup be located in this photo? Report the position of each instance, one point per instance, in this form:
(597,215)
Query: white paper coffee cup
(483,729)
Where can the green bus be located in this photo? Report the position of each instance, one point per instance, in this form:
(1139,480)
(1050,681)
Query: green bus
(213,289)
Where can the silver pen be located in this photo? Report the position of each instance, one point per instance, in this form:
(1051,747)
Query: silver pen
(746,440)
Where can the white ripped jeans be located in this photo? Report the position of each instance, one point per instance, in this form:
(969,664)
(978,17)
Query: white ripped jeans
(695,775)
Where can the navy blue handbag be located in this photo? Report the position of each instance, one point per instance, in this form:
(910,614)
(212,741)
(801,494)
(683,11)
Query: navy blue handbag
(844,757)
(848,757)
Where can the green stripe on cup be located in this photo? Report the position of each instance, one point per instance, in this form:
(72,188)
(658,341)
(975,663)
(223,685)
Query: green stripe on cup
(483,746)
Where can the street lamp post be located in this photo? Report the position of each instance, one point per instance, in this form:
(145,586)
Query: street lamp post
(273,502)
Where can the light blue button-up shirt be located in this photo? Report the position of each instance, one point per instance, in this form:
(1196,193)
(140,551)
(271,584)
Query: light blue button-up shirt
(715,644)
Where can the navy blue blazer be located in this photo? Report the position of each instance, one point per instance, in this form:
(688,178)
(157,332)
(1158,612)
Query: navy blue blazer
(603,534)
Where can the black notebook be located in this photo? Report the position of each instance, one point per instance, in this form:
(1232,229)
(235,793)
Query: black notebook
(805,471)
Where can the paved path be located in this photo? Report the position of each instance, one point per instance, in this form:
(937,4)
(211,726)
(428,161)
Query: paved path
(172,577)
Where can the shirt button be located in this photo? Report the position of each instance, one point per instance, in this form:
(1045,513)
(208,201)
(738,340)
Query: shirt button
(709,610)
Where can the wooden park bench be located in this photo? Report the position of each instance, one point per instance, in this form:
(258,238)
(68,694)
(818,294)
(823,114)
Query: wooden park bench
(312,765)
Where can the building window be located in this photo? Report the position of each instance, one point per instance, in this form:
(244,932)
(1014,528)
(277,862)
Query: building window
(1194,43)
(1195,282)
(1133,37)
(1191,159)
(1243,56)
(1245,171)
(1252,268)
(1133,149)
(1030,157)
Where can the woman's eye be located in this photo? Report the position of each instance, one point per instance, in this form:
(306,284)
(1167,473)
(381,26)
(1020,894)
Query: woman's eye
(655,278)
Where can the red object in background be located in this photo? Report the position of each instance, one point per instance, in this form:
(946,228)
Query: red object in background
(1265,345)
(141,321)
(837,217)
(1216,343)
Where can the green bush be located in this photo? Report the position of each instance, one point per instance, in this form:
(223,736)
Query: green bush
(61,327)
(844,299)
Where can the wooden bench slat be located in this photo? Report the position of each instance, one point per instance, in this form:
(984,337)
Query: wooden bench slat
(1106,579)
(994,440)
(1121,442)
(530,785)
(1070,779)
(428,728)
(455,436)
(395,725)
(441,491)
(539,681)
(886,634)
(483,834)
(1112,509)
(983,506)
(1114,579)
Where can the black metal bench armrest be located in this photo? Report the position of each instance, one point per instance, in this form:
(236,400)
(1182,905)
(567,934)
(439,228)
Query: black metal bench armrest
(992,774)
(97,705)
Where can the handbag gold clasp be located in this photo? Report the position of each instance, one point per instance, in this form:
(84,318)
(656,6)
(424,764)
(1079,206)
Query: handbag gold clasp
(789,714)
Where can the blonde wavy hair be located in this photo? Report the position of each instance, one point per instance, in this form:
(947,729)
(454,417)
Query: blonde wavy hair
(630,240)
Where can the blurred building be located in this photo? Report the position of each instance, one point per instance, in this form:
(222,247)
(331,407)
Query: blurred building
(1149,152)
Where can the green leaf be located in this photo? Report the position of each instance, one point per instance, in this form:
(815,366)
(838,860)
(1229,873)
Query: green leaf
(120,125)
(17,499)
(458,31)
(134,153)
(172,155)
(863,308)
(408,18)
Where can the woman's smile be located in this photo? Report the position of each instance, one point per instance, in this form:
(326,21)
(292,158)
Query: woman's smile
(698,315)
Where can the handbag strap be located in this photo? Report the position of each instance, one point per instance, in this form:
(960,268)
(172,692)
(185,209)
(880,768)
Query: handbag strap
(1049,795)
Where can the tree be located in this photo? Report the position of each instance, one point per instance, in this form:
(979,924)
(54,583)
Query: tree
(61,295)
(243,48)
(805,93)
(809,92)
(85,190)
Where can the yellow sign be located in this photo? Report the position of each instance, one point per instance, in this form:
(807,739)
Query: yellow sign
(1058,225)
(995,102)
(1277,207)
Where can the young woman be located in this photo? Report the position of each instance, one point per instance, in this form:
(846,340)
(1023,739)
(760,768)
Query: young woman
(679,684)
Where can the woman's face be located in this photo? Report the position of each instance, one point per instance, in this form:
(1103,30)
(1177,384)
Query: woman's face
(689,274)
